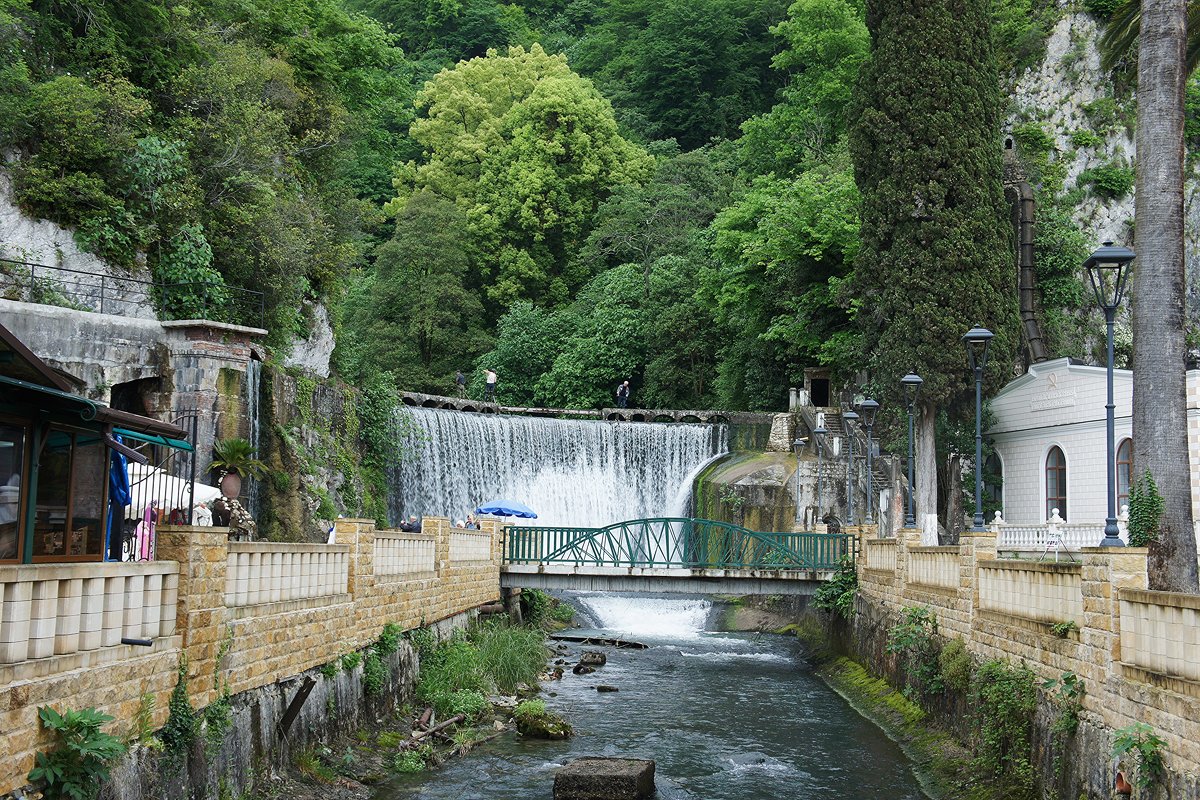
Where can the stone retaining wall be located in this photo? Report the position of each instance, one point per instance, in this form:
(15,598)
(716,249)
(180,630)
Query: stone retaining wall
(283,609)
(1137,650)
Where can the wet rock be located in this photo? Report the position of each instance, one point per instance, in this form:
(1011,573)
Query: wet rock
(583,669)
(605,779)
(546,725)
(561,662)
(593,658)
(525,690)
(604,687)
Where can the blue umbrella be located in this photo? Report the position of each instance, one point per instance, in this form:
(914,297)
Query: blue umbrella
(506,508)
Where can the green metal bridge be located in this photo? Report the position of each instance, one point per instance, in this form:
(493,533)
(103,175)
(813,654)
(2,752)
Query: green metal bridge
(673,554)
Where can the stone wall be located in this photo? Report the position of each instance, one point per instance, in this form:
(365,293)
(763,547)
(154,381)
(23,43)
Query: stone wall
(1136,650)
(272,636)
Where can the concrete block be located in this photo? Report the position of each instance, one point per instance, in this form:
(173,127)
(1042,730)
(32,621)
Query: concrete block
(592,778)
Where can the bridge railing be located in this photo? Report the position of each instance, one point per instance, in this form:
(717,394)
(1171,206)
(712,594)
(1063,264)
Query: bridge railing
(675,542)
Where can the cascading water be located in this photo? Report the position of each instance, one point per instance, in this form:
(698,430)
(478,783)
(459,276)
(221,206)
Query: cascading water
(571,472)
(651,618)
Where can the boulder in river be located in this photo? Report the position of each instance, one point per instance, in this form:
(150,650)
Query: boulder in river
(583,669)
(593,778)
(593,658)
(538,723)
(604,687)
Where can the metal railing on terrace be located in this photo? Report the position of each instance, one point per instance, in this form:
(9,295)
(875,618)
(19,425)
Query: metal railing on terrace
(676,542)
(129,297)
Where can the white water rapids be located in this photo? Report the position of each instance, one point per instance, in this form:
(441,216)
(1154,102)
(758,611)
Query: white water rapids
(577,473)
(681,618)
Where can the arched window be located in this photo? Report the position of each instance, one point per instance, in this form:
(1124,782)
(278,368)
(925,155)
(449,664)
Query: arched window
(1124,471)
(1056,482)
(993,482)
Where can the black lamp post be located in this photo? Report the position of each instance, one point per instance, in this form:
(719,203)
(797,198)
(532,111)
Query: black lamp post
(1108,268)
(819,438)
(977,340)
(797,446)
(847,419)
(869,408)
(912,387)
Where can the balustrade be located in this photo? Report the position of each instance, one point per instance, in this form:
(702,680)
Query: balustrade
(470,545)
(404,554)
(274,572)
(59,609)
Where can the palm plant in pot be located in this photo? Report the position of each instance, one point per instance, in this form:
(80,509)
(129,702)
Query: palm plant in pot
(234,459)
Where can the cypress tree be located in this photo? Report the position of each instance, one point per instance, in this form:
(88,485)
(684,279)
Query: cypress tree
(936,256)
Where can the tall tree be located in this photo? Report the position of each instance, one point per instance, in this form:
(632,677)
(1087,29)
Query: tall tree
(934,257)
(1159,392)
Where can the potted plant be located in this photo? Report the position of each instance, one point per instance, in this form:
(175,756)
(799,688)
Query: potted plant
(234,459)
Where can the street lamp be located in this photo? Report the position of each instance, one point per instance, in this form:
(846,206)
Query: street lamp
(977,340)
(912,387)
(797,446)
(1108,268)
(848,418)
(819,437)
(869,408)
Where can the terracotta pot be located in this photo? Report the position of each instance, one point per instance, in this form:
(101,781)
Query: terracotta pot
(231,484)
(1122,786)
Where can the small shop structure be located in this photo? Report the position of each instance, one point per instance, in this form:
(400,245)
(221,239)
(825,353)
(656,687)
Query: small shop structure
(64,482)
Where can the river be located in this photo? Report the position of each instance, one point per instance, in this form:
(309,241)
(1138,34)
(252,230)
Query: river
(725,716)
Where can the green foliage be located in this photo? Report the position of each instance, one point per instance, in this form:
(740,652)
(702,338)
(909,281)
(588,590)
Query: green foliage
(914,640)
(1146,748)
(183,723)
(511,655)
(423,640)
(1105,114)
(955,665)
(1086,139)
(933,259)
(1112,180)
(1145,511)
(1102,8)
(1064,629)
(1021,28)
(1033,139)
(1005,698)
(390,740)
(535,605)
(237,455)
(329,671)
(1066,693)
(389,638)
(351,660)
(563,612)
(837,594)
(530,708)
(411,761)
(374,672)
(449,675)
(80,764)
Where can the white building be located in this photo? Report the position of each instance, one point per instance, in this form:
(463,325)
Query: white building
(1049,436)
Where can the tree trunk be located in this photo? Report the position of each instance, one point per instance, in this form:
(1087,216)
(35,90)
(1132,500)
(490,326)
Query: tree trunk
(926,477)
(955,519)
(1159,389)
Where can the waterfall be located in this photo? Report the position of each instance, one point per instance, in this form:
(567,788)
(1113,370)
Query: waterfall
(253,379)
(577,473)
(649,617)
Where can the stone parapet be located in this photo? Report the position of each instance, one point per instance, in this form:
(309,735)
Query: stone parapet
(1137,650)
(249,613)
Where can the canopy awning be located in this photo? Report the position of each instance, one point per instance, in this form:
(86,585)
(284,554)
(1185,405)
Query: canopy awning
(167,441)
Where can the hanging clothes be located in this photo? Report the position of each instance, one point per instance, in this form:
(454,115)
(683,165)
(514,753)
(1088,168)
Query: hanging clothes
(143,535)
(118,498)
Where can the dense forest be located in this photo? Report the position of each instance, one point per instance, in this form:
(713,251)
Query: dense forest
(570,192)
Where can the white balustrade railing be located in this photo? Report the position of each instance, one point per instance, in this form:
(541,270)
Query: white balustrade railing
(880,554)
(398,553)
(1074,535)
(469,545)
(1158,632)
(933,566)
(1044,592)
(275,572)
(59,609)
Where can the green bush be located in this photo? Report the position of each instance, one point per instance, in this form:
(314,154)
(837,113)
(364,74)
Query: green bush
(1005,698)
(468,702)
(914,640)
(78,767)
(423,640)
(412,760)
(1111,180)
(535,605)
(1145,511)
(1146,747)
(374,672)
(1102,8)
(351,660)
(563,612)
(183,722)
(837,594)
(453,667)
(1032,139)
(1085,139)
(389,639)
(955,665)
(511,655)
(530,709)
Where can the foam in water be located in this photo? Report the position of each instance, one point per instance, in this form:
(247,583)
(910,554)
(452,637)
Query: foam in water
(575,473)
(649,617)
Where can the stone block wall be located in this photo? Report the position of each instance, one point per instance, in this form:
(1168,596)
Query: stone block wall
(1137,650)
(321,601)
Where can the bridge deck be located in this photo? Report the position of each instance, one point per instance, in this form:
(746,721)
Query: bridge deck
(657,580)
